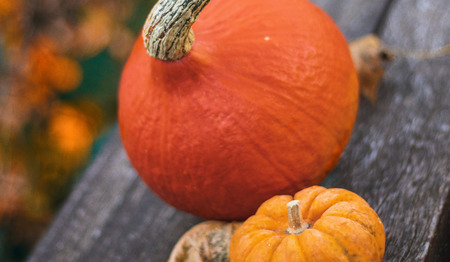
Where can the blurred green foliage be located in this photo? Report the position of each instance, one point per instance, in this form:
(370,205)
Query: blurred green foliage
(60,64)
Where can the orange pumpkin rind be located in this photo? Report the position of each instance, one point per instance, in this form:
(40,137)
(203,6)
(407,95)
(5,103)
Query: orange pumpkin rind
(263,104)
(342,227)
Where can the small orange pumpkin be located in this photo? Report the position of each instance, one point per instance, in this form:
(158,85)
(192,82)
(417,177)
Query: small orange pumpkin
(319,225)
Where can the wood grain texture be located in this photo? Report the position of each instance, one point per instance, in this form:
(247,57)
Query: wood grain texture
(397,159)
(355,17)
(112,216)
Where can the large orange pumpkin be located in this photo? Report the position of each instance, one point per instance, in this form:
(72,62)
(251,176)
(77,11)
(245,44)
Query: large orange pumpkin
(259,100)
(319,225)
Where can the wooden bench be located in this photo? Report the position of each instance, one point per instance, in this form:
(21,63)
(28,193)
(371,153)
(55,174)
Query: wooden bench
(397,159)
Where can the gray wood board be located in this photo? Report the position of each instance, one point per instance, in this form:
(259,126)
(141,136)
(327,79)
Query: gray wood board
(355,17)
(397,158)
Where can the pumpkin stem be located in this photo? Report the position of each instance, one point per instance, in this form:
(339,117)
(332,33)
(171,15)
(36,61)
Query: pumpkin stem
(167,31)
(296,223)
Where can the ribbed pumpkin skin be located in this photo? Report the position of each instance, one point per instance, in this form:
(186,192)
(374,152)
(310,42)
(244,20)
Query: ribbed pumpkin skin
(343,228)
(263,104)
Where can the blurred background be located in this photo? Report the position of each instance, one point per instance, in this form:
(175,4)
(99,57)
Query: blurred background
(60,64)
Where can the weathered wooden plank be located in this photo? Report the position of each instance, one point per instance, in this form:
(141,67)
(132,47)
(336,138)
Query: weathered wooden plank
(112,216)
(355,17)
(397,159)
